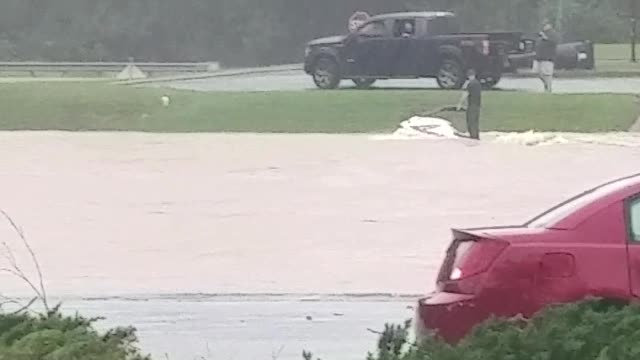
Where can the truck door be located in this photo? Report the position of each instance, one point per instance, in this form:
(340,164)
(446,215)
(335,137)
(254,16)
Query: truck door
(435,32)
(436,29)
(367,52)
(406,52)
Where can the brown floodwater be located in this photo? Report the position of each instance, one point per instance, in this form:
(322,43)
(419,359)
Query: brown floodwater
(129,213)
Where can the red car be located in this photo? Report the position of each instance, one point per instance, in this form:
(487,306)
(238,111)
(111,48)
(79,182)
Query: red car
(586,246)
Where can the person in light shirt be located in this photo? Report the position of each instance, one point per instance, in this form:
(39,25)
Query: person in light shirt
(546,48)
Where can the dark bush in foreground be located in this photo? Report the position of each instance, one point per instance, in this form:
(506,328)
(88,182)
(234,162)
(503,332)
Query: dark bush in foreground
(57,337)
(593,330)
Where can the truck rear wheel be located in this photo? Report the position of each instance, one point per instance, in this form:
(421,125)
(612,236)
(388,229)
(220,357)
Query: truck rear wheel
(490,82)
(363,83)
(451,74)
(326,74)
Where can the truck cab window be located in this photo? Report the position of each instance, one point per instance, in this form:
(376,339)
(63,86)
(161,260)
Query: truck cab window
(373,29)
(634,220)
(405,28)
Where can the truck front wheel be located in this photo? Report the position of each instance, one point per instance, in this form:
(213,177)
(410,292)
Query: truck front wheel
(326,74)
(451,74)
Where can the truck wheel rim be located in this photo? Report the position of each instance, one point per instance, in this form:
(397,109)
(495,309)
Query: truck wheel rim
(446,76)
(322,74)
(323,77)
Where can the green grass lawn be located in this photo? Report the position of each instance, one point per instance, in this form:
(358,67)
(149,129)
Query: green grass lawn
(614,51)
(96,106)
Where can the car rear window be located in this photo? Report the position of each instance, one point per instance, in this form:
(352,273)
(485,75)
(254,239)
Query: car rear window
(553,216)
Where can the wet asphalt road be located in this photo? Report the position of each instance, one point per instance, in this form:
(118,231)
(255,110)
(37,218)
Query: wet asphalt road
(251,327)
(296,80)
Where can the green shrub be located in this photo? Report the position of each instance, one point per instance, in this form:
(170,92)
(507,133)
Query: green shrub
(57,337)
(27,335)
(593,329)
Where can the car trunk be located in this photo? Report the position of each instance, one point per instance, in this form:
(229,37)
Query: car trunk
(470,255)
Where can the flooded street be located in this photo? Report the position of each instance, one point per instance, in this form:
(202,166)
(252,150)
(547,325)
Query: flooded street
(150,214)
(127,213)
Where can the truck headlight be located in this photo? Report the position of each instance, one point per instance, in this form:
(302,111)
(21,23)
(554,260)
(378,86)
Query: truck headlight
(307,51)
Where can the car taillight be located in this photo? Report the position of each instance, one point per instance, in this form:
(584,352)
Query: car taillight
(466,262)
(477,259)
(485,47)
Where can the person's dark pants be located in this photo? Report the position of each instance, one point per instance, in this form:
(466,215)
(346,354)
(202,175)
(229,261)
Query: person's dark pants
(473,121)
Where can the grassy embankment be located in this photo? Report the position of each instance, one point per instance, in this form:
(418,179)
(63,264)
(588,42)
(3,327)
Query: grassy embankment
(93,106)
(615,57)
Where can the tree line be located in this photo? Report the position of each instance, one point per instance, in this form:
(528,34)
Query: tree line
(257,32)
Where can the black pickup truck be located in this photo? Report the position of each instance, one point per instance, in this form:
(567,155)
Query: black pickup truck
(409,46)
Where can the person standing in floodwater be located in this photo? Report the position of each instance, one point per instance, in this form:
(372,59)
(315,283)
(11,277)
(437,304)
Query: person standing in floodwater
(473,97)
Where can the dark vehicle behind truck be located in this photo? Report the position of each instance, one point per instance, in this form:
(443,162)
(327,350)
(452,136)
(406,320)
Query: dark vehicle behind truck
(409,46)
(569,56)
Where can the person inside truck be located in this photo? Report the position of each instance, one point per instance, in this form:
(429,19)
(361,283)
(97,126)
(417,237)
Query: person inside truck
(408,30)
(405,29)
